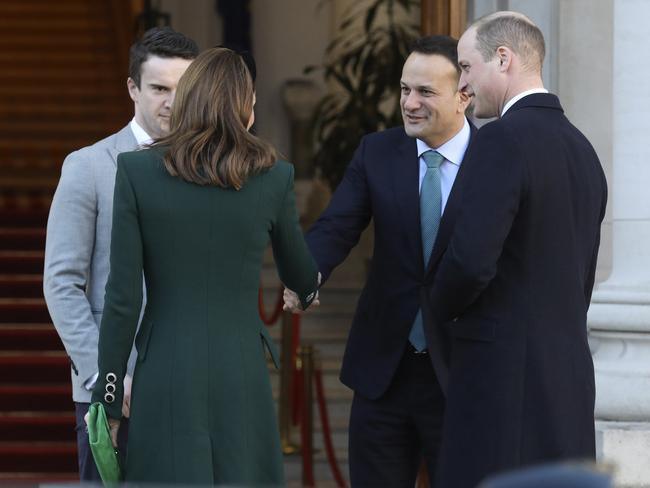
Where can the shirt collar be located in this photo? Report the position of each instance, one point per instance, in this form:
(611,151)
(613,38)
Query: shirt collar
(453,150)
(141,136)
(516,98)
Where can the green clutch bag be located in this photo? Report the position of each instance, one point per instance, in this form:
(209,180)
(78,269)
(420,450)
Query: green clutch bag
(99,435)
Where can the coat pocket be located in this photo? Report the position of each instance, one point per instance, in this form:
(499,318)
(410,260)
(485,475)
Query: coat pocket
(480,329)
(270,346)
(142,339)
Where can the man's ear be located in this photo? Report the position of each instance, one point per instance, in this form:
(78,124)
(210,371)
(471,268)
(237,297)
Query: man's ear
(463,100)
(134,91)
(504,55)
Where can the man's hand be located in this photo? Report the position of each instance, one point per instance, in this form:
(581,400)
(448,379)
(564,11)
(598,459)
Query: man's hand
(292,302)
(126,402)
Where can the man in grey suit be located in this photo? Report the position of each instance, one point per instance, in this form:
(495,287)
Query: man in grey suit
(79,224)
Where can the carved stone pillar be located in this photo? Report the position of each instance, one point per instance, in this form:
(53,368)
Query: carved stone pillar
(619,317)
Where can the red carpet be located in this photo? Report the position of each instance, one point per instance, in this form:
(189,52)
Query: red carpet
(37,437)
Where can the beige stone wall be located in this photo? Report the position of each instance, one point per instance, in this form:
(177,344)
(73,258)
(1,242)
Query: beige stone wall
(195,18)
(585,87)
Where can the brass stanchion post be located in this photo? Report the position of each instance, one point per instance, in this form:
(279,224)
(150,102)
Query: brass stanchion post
(307,362)
(287,367)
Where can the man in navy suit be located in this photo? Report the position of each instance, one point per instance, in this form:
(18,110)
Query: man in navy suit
(398,405)
(514,284)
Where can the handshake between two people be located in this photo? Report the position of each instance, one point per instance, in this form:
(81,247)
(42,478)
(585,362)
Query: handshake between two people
(292,301)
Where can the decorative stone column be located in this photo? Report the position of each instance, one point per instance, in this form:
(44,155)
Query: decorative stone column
(619,316)
(300,97)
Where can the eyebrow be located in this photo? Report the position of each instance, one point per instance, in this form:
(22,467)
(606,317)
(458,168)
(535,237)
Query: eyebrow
(418,87)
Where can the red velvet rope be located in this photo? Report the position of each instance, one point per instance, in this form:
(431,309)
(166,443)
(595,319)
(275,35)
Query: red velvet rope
(327,433)
(277,311)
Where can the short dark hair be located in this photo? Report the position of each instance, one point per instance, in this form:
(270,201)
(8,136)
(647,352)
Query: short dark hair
(444,46)
(159,41)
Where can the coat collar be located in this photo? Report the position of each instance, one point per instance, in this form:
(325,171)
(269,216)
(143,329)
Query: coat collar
(537,100)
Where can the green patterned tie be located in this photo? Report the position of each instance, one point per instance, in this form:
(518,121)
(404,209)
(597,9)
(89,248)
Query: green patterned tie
(430,211)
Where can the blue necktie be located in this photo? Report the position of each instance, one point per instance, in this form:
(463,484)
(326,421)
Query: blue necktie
(430,210)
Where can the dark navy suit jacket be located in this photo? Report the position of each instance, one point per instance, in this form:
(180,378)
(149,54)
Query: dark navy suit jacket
(382,184)
(512,289)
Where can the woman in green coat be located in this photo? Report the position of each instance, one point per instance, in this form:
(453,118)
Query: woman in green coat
(195,214)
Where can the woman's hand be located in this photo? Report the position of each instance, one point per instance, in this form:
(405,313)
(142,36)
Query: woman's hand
(113,427)
(126,403)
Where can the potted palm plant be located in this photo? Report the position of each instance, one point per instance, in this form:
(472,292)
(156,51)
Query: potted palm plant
(362,68)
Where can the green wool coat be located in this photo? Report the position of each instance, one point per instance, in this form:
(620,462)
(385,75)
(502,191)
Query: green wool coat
(201,408)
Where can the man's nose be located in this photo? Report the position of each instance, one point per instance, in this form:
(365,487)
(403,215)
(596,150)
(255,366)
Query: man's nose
(411,101)
(462,83)
(170,99)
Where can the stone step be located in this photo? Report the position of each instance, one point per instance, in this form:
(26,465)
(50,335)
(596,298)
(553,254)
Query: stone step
(21,285)
(34,368)
(36,397)
(22,238)
(21,262)
(27,217)
(34,478)
(29,337)
(21,310)
(53,457)
(322,470)
(37,426)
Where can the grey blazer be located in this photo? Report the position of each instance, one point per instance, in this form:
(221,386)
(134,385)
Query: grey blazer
(77,251)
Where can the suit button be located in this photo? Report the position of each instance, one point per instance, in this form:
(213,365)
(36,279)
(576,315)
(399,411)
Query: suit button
(110,387)
(109,397)
(111,377)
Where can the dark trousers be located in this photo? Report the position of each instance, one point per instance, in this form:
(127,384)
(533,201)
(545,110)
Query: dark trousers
(390,436)
(87,469)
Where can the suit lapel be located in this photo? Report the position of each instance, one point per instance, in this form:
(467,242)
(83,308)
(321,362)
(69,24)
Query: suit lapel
(124,141)
(405,176)
(451,209)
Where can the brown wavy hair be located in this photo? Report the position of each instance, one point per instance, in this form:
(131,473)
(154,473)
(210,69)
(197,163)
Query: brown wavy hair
(209,142)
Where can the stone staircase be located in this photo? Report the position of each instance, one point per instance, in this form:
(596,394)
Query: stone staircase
(61,87)
(37,440)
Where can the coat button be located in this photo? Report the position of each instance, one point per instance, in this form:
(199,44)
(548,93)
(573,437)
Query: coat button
(109,397)
(111,377)
(110,387)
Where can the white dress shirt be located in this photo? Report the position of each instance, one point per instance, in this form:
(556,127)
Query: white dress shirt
(140,134)
(453,151)
(523,94)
